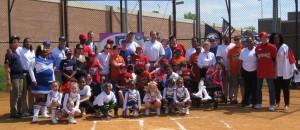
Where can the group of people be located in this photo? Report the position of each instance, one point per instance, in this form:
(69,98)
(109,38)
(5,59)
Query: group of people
(160,74)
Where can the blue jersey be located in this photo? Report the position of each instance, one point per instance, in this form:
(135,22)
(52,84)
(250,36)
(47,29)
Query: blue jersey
(126,54)
(43,72)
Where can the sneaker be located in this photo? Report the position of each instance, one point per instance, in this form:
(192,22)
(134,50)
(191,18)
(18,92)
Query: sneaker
(15,116)
(167,110)
(45,115)
(26,114)
(83,111)
(72,121)
(180,110)
(206,98)
(257,106)
(53,119)
(234,102)
(158,111)
(147,112)
(272,108)
(34,119)
(194,95)
(135,113)
(286,108)
(187,111)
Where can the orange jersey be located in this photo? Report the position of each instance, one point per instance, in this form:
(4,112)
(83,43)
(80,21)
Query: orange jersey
(143,80)
(233,59)
(175,62)
(115,71)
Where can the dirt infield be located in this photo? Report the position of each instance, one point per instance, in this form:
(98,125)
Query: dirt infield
(231,117)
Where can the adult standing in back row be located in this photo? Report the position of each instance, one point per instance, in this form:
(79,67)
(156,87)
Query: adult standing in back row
(266,56)
(90,42)
(153,50)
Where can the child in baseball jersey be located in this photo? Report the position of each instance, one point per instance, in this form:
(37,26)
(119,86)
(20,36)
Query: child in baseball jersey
(182,97)
(71,103)
(168,95)
(105,101)
(152,98)
(132,102)
(85,93)
(54,100)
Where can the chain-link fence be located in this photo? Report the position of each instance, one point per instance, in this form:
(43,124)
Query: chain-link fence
(49,19)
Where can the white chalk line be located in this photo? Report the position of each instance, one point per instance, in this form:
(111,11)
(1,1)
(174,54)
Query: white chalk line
(226,124)
(141,121)
(94,125)
(179,125)
(185,118)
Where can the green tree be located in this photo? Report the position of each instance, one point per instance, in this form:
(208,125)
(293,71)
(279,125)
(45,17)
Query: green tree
(190,15)
(155,11)
(252,28)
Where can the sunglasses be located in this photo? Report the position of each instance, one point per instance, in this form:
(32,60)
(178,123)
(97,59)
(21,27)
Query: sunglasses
(80,48)
(107,48)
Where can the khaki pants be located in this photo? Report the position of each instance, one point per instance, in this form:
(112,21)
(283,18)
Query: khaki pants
(236,83)
(15,95)
(27,91)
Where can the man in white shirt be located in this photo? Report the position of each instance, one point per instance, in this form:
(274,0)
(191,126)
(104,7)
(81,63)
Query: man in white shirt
(131,45)
(59,54)
(153,50)
(222,52)
(190,51)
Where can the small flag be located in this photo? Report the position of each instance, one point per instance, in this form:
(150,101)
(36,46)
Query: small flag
(210,32)
(225,28)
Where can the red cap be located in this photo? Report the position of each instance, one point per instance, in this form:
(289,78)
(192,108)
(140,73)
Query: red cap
(178,49)
(92,54)
(165,61)
(82,36)
(109,40)
(139,48)
(88,76)
(263,34)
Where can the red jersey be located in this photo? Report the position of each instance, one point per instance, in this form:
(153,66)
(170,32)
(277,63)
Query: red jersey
(143,80)
(265,64)
(187,74)
(181,47)
(139,62)
(158,74)
(121,80)
(93,69)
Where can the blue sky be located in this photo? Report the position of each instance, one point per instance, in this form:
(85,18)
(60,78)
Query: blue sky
(244,12)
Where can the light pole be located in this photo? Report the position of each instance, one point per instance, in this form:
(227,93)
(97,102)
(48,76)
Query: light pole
(261,9)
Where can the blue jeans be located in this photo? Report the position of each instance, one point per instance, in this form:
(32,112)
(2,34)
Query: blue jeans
(270,82)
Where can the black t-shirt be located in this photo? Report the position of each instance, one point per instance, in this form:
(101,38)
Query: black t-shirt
(68,67)
(15,66)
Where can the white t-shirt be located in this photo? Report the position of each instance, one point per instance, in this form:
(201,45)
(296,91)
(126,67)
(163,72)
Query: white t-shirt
(283,67)
(249,59)
(206,59)
(222,51)
(86,91)
(104,98)
(25,56)
(104,61)
(59,55)
(132,46)
(190,51)
(153,50)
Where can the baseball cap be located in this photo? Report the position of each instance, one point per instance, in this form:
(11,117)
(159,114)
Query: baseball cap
(110,40)
(177,49)
(82,36)
(68,52)
(211,39)
(92,54)
(62,38)
(129,33)
(165,61)
(47,43)
(11,38)
(263,34)
(139,48)
(88,76)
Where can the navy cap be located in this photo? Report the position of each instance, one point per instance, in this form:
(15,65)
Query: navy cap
(62,38)
(11,38)
(47,43)
(211,39)
(68,51)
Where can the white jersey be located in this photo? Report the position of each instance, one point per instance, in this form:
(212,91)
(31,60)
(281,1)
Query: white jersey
(86,91)
(71,97)
(26,56)
(104,62)
(104,98)
(53,96)
(150,96)
(181,95)
(132,95)
(168,92)
(222,51)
